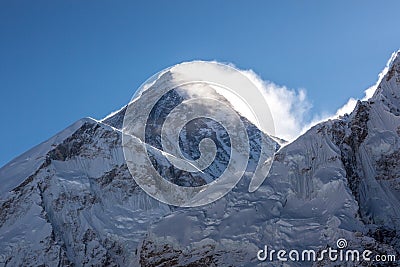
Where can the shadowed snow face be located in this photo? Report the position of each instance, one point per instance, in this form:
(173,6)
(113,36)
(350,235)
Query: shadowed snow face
(216,110)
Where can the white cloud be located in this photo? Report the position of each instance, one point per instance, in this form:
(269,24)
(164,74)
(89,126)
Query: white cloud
(369,92)
(289,107)
(351,103)
(346,108)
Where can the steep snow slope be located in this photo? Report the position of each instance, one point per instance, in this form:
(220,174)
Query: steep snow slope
(80,206)
(338,180)
(77,204)
(72,200)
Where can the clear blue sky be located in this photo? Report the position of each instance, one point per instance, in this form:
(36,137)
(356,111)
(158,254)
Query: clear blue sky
(64,60)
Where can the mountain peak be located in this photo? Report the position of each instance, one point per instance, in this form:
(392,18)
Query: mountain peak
(393,67)
(387,91)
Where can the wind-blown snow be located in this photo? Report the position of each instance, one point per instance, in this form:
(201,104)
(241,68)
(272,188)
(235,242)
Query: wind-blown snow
(72,201)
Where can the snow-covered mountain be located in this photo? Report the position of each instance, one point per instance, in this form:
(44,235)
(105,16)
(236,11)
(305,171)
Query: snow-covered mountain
(72,201)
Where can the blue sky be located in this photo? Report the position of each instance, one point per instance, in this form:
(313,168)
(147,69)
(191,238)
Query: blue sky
(64,60)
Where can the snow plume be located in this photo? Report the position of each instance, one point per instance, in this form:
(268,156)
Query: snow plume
(289,107)
(351,103)
(345,109)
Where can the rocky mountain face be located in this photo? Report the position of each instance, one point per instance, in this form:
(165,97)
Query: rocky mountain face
(71,201)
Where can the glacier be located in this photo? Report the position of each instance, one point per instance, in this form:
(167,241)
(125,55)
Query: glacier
(71,201)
